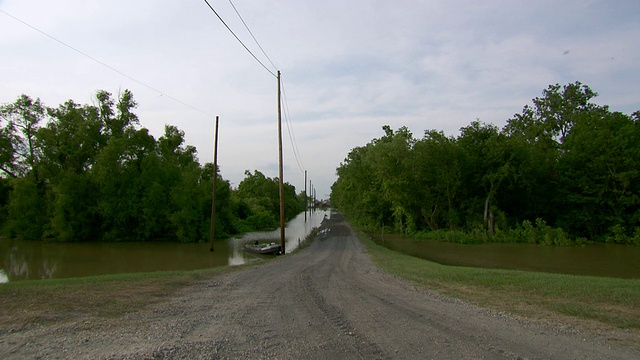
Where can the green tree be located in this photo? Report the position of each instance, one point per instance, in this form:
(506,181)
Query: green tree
(261,195)
(600,170)
(390,159)
(358,191)
(71,140)
(21,121)
(438,178)
(20,160)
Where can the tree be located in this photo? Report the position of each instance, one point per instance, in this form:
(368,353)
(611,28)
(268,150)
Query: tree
(600,171)
(488,167)
(261,195)
(438,178)
(72,139)
(21,122)
(559,107)
(358,191)
(390,159)
(117,122)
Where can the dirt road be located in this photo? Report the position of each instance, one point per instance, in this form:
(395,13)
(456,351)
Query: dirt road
(326,302)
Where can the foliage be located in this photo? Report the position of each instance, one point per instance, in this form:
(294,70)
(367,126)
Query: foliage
(562,171)
(261,195)
(89,172)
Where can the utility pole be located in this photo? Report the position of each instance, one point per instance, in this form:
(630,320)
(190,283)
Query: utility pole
(215,182)
(282,247)
(310,187)
(305,196)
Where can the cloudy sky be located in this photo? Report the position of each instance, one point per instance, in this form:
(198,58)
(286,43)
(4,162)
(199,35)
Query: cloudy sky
(348,67)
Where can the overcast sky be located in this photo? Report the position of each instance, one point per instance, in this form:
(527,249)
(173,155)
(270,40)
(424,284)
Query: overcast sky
(348,67)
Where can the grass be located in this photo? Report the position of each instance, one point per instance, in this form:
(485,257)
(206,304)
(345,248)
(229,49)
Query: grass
(45,301)
(610,301)
(582,299)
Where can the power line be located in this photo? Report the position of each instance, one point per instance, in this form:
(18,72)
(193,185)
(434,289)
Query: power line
(240,41)
(287,115)
(254,38)
(106,65)
(288,121)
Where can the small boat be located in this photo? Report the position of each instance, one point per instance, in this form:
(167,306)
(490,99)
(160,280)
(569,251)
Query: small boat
(263,248)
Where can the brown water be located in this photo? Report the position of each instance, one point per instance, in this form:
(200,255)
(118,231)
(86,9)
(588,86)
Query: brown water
(622,261)
(28,260)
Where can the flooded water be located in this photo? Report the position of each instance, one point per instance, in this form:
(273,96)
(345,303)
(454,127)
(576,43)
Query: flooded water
(608,260)
(27,260)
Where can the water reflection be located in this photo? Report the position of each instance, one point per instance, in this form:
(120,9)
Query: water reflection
(26,260)
(295,232)
(596,260)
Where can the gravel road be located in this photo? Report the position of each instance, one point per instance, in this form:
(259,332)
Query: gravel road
(326,302)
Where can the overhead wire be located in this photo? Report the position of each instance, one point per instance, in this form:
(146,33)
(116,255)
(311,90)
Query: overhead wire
(287,115)
(288,121)
(237,38)
(162,93)
(251,33)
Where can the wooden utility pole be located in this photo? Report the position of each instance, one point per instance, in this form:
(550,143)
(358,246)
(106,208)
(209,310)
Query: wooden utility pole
(305,196)
(309,204)
(215,182)
(282,247)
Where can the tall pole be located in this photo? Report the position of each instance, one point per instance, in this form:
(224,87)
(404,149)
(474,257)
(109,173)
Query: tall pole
(215,182)
(282,247)
(310,187)
(305,196)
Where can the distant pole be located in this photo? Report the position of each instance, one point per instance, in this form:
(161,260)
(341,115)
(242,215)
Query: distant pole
(215,182)
(310,187)
(305,196)
(282,247)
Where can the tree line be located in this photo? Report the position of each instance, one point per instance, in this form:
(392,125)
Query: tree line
(91,173)
(562,171)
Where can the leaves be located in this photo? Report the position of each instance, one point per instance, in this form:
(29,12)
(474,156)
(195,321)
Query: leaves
(88,173)
(563,161)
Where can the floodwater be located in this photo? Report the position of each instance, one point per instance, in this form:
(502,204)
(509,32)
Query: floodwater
(608,260)
(32,260)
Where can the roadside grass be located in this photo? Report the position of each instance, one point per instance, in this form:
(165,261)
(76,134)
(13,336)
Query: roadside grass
(611,301)
(23,303)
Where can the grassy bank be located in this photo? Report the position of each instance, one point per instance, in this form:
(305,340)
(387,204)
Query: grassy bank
(45,301)
(569,299)
(610,301)
(27,302)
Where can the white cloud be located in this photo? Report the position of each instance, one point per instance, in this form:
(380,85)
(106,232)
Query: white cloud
(348,67)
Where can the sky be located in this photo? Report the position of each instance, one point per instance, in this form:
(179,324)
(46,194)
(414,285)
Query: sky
(348,67)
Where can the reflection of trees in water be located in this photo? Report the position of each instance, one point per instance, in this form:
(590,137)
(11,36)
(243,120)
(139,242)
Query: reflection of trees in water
(18,267)
(297,229)
(48,270)
(4,278)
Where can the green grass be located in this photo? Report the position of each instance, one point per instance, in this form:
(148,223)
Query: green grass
(611,301)
(44,301)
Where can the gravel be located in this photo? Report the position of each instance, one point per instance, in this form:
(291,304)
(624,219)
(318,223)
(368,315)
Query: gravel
(327,301)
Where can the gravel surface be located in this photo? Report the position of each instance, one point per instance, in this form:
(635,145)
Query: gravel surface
(326,302)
